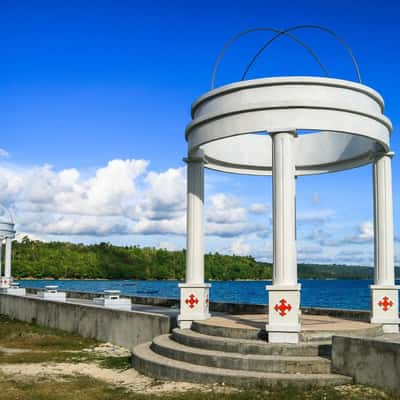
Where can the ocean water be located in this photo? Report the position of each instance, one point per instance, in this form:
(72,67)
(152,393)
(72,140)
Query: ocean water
(346,294)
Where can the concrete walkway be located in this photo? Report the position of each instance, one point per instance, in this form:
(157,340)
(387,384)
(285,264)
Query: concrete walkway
(170,312)
(308,322)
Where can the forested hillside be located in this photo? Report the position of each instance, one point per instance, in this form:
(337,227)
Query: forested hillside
(66,260)
(104,261)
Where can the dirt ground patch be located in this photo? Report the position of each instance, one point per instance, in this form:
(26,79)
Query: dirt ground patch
(128,379)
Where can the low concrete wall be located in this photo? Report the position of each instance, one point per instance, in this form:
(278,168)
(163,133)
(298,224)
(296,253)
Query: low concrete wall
(353,315)
(123,328)
(369,361)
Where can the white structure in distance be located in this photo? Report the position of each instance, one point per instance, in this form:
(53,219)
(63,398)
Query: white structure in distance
(288,127)
(7,235)
(112,299)
(51,292)
(15,290)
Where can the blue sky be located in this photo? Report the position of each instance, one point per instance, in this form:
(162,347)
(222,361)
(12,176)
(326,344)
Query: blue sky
(95,97)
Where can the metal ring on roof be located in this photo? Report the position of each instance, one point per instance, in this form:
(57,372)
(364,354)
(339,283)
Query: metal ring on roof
(286,31)
(278,31)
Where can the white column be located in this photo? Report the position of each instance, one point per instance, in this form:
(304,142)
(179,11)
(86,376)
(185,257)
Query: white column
(1,257)
(195,221)
(7,260)
(385,296)
(4,274)
(284,294)
(194,292)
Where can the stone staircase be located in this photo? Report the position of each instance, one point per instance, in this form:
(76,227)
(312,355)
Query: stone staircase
(209,354)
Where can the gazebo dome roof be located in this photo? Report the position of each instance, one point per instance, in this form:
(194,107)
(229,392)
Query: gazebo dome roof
(340,124)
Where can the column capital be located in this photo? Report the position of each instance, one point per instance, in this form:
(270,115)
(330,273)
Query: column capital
(380,154)
(188,160)
(291,131)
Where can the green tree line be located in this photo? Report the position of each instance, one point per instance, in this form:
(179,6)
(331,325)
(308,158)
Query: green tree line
(62,260)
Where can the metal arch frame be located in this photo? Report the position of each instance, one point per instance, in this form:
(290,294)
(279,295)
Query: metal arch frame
(319,27)
(278,32)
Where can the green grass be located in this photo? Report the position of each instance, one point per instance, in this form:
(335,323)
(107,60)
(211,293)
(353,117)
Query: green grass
(23,335)
(121,363)
(85,388)
(110,362)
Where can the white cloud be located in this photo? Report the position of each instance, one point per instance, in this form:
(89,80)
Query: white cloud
(165,196)
(315,216)
(316,198)
(120,198)
(20,235)
(225,217)
(258,208)
(41,189)
(231,230)
(264,233)
(240,248)
(4,153)
(225,209)
(84,225)
(365,233)
(166,245)
(350,252)
(316,234)
(305,250)
(149,227)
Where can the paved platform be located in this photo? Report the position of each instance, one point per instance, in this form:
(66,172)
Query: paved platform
(313,327)
(308,322)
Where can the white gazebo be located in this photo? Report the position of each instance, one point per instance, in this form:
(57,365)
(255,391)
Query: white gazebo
(288,127)
(7,234)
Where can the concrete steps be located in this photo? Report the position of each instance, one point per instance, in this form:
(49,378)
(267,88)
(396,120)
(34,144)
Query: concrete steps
(148,362)
(259,334)
(165,346)
(228,332)
(217,351)
(192,338)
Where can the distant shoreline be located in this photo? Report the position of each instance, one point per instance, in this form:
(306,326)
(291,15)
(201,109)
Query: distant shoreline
(101,262)
(177,280)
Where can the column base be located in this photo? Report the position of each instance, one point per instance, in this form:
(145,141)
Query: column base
(119,304)
(58,296)
(385,307)
(283,337)
(5,282)
(284,313)
(13,291)
(194,303)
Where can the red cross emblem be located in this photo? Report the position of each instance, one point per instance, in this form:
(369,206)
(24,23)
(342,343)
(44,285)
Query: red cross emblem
(283,307)
(385,303)
(192,300)
(207,301)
